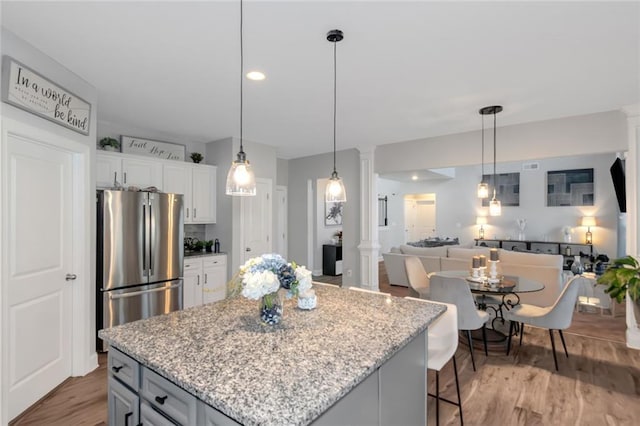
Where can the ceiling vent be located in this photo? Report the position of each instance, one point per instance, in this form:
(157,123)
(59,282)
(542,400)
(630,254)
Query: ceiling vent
(531,166)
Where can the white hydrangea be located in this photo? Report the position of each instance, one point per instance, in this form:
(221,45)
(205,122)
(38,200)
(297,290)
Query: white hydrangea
(257,284)
(303,275)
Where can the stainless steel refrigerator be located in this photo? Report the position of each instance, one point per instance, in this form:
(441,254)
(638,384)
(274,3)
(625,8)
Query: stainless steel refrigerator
(139,256)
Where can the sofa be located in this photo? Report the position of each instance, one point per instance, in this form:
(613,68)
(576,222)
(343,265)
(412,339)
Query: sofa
(544,268)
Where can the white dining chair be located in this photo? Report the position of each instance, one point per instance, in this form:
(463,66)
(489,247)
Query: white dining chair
(555,317)
(442,343)
(455,290)
(417,276)
(365,290)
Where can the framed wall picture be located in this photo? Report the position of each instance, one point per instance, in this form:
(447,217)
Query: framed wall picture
(570,188)
(507,190)
(333,214)
(151,148)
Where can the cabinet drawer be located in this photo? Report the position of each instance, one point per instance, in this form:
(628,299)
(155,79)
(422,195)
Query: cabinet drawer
(209,416)
(192,264)
(214,261)
(125,368)
(168,398)
(150,417)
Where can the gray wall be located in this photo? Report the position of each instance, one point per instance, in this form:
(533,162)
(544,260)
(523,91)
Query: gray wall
(457,205)
(585,134)
(316,167)
(283,172)
(57,73)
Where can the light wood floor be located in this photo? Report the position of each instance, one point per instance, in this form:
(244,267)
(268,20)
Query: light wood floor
(599,384)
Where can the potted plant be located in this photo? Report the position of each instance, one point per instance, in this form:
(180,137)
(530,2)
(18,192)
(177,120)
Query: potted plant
(109,144)
(622,277)
(623,281)
(199,246)
(207,245)
(196,157)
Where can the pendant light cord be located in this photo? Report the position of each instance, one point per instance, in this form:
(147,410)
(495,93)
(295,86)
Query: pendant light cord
(241,74)
(482,177)
(334,105)
(495,181)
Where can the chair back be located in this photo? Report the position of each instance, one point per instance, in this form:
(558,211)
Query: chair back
(418,278)
(442,340)
(561,313)
(456,291)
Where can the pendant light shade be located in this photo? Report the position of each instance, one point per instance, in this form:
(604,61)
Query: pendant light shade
(495,207)
(335,191)
(483,187)
(241,180)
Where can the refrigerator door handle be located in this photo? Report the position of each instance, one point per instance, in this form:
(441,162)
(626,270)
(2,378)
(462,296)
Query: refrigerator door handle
(144,241)
(137,293)
(151,231)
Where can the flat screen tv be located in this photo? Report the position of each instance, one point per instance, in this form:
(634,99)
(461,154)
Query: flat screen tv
(617,175)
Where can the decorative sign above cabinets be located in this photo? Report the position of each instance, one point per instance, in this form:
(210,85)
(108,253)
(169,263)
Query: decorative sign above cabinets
(28,90)
(150,148)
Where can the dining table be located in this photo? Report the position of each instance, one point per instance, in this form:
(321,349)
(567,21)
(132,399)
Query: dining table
(503,293)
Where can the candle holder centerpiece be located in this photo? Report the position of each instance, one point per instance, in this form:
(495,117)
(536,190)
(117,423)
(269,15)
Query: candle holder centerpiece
(265,278)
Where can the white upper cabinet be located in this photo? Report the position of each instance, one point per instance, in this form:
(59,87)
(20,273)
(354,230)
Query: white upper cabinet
(204,194)
(197,182)
(127,171)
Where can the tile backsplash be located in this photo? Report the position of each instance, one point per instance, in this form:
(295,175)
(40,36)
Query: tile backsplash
(195,231)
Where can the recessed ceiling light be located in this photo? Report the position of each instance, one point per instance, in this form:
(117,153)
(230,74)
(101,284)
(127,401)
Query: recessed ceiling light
(414,177)
(255,75)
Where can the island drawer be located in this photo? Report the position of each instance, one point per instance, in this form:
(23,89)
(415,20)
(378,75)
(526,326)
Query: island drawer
(209,416)
(214,261)
(169,399)
(125,368)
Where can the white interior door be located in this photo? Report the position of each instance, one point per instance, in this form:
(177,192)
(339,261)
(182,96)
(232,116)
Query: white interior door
(39,256)
(425,224)
(257,222)
(409,220)
(281,232)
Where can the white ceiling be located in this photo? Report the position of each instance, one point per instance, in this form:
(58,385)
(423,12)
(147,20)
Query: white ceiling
(406,70)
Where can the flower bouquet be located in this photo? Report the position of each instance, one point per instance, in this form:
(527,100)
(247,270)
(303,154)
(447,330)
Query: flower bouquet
(261,278)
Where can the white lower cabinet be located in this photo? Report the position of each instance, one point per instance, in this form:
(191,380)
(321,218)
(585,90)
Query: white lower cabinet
(205,280)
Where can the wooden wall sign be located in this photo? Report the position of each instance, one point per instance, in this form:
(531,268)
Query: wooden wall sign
(151,148)
(28,90)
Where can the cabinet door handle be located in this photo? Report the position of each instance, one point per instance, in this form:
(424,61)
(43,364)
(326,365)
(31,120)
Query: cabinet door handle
(205,278)
(195,212)
(198,280)
(187,212)
(160,399)
(126,418)
(125,177)
(116,369)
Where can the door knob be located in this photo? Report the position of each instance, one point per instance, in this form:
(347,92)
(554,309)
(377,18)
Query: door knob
(247,249)
(70,277)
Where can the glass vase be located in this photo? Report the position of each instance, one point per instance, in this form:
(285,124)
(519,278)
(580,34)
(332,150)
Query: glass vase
(271,308)
(576,266)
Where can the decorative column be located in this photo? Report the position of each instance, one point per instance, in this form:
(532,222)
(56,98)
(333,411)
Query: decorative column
(368,247)
(632,175)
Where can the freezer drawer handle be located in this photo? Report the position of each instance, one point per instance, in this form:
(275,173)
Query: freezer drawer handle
(116,369)
(160,399)
(137,293)
(70,277)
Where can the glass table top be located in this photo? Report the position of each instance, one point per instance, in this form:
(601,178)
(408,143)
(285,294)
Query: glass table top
(507,284)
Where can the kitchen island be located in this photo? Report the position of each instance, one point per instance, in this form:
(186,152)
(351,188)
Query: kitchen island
(357,357)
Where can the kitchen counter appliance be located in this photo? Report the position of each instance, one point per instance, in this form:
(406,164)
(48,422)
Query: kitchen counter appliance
(139,260)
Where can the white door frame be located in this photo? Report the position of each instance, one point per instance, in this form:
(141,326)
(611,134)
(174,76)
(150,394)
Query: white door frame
(83,356)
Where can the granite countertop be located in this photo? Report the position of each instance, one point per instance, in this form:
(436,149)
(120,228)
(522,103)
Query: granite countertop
(202,254)
(286,374)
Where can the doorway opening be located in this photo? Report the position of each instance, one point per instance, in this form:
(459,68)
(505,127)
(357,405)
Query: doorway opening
(419,217)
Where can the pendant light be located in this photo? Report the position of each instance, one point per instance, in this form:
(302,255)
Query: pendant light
(335,191)
(495,208)
(483,187)
(241,180)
